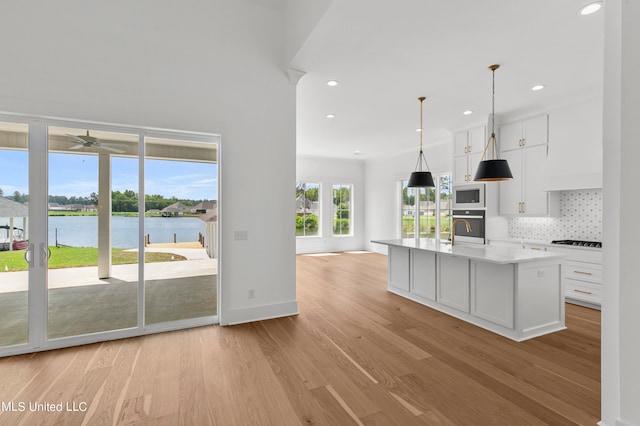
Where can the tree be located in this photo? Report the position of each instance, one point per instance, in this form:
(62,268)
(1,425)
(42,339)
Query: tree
(341,195)
(1,192)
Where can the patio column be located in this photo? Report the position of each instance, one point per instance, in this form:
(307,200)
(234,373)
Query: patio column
(104,215)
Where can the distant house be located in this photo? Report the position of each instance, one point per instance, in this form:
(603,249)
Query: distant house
(204,207)
(175,209)
(306,206)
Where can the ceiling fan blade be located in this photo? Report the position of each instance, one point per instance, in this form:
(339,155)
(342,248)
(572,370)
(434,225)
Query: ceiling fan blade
(77,146)
(77,138)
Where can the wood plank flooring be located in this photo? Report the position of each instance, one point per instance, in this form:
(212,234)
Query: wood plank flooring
(356,355)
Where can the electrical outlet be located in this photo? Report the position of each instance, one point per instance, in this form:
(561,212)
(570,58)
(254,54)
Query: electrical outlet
(251,293)
(240,235)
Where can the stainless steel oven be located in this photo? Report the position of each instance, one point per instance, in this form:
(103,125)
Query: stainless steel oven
(470,196)
(476,219)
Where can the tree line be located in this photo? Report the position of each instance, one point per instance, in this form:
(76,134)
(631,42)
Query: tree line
(121,201)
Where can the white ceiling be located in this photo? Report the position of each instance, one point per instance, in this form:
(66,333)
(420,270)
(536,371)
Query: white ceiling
(386,54)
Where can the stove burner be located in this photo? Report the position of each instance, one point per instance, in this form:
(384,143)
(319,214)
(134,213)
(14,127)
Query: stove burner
(596,244)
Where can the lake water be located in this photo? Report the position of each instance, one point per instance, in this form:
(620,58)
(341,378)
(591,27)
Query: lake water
(82,231)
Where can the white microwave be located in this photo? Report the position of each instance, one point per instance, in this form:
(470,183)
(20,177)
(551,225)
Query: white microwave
(469,196)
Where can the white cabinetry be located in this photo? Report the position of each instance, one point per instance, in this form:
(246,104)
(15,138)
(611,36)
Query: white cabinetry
(520,134)
(423,274)
(492,292)
(399,268)
(519,297)
(582,275)
(453,282)
(525,194)
(575,147)
(467,151)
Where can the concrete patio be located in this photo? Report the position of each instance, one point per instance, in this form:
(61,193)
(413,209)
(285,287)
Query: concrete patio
(81,303)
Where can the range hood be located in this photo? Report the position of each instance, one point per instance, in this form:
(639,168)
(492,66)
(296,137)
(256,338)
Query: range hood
(575,147)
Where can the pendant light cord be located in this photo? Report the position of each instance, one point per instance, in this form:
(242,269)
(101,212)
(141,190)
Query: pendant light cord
(421,156)
(492,139)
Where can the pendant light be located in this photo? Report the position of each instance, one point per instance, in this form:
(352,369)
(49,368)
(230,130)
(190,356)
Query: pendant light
(420,178)
(495,169)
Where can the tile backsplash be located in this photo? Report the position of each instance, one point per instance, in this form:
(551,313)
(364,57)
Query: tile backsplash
(580,219)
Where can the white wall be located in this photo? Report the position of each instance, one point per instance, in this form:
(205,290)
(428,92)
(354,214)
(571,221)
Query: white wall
(212,66)
(621,292)
(327,172)
(382,192)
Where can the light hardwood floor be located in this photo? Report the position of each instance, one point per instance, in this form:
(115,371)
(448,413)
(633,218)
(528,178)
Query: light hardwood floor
(356,354)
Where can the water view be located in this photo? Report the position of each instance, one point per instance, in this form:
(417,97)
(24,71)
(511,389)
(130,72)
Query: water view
(82,231)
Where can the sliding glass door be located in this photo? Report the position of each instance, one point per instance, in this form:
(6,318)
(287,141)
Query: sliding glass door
(181,221)
(105,232)
(92,231)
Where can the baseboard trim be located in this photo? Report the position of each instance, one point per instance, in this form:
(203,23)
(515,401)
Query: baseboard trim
(259,313)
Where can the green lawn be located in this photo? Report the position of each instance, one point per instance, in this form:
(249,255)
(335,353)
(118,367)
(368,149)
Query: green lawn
(427,225)
(70,257)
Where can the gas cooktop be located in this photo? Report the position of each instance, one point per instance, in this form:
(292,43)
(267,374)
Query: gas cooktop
(596,244)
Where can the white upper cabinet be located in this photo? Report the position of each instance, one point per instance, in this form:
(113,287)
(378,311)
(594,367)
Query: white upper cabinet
(526,152)
(468,146)
(530,132)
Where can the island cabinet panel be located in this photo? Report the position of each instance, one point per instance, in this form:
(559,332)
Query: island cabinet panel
(423,274)
(540,298)
(453,282)
(492,292)
(399,268)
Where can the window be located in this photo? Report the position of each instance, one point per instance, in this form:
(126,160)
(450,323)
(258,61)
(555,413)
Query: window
(407,211)
(307,209)
(341,209)
(444,205)
(434,209)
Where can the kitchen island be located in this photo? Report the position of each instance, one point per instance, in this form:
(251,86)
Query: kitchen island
(513,292)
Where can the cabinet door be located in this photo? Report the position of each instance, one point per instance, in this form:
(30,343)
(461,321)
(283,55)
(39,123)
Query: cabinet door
(460,143)
(472,163)
(511,190)
(423,274)
(536,200)
(510,136)
(399,268)
(492,292)
(460,172)
(476,140)
(453,282)
(536,131)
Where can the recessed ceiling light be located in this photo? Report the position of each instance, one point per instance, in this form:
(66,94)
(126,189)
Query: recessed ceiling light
(358,152)
(538,87)
(467,112)
(418,130)
(330,116)
(590,8)
(332,83)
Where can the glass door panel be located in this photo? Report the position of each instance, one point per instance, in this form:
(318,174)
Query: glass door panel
(181,228)
(14,234)
(92,231)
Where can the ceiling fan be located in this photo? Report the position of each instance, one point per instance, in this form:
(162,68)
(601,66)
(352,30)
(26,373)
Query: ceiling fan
(88,141)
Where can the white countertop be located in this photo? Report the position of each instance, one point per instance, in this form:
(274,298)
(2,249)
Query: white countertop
(485,253)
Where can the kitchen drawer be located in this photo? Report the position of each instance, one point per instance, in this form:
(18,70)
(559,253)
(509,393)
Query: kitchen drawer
(580,290)
(589,272)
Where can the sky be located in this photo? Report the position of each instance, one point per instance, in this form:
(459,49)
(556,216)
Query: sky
(77,175)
